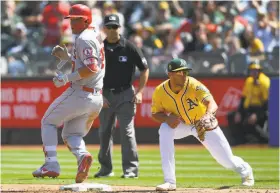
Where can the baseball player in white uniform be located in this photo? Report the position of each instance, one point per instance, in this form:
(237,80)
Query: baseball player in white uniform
(81,103)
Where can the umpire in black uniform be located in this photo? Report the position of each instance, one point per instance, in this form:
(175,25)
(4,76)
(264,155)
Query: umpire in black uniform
(120,99)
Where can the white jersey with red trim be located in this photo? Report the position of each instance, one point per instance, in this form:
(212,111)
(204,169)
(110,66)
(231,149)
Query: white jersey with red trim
(88,50)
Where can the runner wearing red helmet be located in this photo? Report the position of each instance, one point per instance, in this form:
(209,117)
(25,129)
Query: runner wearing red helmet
(81,103)
(81,18)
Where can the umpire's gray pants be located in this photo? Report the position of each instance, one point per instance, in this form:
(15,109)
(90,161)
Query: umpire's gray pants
(124,110)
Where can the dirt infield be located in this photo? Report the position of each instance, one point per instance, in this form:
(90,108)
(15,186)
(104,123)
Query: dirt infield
(36,188)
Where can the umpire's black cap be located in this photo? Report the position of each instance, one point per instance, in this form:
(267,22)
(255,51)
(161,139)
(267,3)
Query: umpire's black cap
(112,19)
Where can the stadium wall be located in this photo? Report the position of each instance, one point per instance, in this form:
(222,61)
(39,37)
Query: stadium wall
(24,101)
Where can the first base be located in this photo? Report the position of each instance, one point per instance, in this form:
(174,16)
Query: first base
(83,187)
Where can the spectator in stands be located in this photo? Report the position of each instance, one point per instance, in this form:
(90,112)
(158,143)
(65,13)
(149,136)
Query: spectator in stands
(98,19)
(54,24)
(18,51)
(147,51)
(182,35)
(109,7)
(184,8)
(249,122)
(9,17)
(249,9)
(231,41)
(215,43)
(176,8)
(140,13)
(234,46)
(193,31)
(272,14)
(150,39)
(273,22)
(216,46)
(200,39)
(263,31)
(254,44)
(31,13)
(169,28)
(215,15)
(165,22)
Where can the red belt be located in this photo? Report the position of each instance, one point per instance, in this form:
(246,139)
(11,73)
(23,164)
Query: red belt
(87,89)
(92,90)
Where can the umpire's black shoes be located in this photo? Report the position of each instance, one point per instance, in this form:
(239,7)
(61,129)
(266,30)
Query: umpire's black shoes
(129,175)
(102,174)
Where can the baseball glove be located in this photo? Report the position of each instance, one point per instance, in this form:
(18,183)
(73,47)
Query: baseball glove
(207,122)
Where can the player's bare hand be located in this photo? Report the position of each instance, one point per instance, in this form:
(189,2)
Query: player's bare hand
(137,98)
(237,117)
(252,119)
(106,103)
(173,120)
(60,52)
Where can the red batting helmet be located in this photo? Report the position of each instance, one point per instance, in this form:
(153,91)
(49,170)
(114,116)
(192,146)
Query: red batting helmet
(80,10)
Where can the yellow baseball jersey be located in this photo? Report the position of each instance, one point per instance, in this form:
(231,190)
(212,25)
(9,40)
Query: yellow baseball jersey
(187,104)
(256,94)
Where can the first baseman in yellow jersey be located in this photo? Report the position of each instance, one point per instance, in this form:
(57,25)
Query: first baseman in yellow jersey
(178,103)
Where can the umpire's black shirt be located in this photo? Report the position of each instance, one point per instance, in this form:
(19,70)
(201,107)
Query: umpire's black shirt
(121,59)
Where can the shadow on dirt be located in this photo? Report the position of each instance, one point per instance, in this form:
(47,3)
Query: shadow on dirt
(224,187)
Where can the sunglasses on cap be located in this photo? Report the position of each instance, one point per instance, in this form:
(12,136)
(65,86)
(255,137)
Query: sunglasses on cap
(112,27)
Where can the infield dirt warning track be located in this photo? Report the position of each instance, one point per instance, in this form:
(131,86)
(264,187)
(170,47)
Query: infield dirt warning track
(135,189)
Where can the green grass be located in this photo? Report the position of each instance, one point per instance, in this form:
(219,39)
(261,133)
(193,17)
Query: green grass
(194,168)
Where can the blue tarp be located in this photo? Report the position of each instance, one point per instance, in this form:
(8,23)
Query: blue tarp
(273,118)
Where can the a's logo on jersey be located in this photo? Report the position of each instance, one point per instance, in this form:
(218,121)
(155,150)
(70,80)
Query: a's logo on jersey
(87,51)
(122,58)
(191,104)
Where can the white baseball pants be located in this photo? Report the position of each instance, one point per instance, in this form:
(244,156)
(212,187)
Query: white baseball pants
(215,142)
(77,109)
